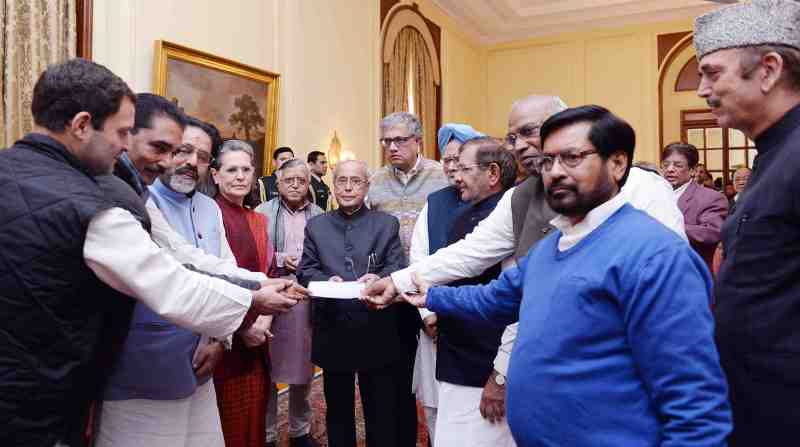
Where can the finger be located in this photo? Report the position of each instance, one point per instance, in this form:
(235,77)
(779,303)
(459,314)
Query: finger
(201,358)
(482,408)
(205,369)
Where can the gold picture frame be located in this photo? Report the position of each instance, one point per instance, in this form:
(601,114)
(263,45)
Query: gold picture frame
(233,96)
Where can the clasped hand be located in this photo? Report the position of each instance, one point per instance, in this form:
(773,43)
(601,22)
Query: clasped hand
(277,296)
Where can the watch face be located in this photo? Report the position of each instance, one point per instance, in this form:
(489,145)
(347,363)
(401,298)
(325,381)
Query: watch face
(500,379)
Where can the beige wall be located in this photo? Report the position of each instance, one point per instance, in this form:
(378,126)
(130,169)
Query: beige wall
(464,71)
(325,52)
(616,68)
(674,101)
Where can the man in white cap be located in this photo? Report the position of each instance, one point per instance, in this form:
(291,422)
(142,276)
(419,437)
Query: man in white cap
(749,60)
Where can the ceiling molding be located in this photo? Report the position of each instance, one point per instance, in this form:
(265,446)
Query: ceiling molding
(495,22)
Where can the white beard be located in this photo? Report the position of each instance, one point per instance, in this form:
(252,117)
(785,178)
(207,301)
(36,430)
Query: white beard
(182,184)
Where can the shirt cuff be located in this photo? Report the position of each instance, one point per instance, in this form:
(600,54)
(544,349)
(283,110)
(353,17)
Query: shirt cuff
(402,280)
(501,363)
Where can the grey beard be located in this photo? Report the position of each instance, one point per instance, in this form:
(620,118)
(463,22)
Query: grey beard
(182,184)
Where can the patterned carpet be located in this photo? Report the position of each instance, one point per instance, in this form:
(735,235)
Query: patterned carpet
(318,422)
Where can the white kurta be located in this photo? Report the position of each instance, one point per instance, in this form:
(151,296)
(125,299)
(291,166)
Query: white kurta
(459,422)
(189,422)
(120,252)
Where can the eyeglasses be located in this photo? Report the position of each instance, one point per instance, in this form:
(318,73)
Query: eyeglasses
(449,160)
(568,159)
(299,181)
(526,131)
(466,168)
(677,164)
(398,141)
(186,150)
(342,182)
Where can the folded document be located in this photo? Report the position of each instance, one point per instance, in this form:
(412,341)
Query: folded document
(348,290)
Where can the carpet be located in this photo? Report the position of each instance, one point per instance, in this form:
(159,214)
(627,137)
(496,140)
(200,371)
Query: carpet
(318,420)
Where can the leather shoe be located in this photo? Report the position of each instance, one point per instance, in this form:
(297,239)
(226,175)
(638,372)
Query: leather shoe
(303,441)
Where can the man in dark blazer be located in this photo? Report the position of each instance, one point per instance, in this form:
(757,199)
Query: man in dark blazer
(354,243)
(704,210)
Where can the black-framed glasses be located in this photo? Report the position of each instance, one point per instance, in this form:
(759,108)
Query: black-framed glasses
(398,141)
(525,132)
(569,159)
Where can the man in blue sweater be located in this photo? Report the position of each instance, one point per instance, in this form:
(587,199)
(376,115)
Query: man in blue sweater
(615,343)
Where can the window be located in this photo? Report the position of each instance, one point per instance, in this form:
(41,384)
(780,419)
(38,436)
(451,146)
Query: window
(722,150)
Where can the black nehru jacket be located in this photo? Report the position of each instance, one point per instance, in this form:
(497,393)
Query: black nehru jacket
(58,333)
(465,350)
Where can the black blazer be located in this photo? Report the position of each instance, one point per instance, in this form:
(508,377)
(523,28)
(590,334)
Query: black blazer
(347,336)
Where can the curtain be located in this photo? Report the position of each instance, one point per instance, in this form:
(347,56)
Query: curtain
(410,44)
(34,34)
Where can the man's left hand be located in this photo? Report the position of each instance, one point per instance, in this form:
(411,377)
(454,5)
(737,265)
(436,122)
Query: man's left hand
(206,358)
(493,400)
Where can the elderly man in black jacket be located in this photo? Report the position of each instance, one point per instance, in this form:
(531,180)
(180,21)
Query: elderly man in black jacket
(348,244)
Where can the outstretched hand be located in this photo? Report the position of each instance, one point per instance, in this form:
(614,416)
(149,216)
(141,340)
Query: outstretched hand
(380,294)
(419,298)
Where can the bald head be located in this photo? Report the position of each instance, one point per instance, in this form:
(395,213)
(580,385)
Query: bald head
(526,117)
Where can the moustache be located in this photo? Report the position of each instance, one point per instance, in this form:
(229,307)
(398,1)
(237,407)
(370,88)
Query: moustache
(191,172)
(559,186)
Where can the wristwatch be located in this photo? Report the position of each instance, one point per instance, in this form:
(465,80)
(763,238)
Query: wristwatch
(499,379)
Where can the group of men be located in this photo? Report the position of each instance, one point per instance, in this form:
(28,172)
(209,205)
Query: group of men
(575,311)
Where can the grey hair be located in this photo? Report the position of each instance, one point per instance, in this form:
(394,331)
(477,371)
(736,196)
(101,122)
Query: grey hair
(293,163)
(361,163)
(556,103)
(235,146)
(410,120)
(741,168)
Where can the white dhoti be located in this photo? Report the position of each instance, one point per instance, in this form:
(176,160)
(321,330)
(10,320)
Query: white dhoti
(190,422)
(424,383)
(459,422)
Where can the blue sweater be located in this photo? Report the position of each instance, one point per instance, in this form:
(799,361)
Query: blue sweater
(615,344)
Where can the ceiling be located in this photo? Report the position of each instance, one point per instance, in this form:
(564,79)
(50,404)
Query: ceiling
(501,21)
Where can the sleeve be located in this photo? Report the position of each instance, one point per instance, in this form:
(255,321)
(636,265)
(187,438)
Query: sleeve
(186,253)
(310,268)
(497,302)
(709,222)
(490,242)
(503,356)
(123,256)
(419,238)
(650,193)
(672,342)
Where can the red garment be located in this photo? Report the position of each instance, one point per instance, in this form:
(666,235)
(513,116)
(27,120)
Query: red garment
(241,378)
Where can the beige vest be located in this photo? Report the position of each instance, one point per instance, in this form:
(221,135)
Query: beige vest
(531,215)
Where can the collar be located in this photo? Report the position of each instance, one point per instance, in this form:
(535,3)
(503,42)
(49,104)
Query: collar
(682,189)
(356,214)
(398,172)
(572,234)
(158,187)
(302,207)
(317,178)
(488,201)
(774,135)
(127,172)
(53,148)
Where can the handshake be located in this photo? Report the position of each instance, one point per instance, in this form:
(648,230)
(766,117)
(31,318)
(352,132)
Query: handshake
(382,293)
(277,296)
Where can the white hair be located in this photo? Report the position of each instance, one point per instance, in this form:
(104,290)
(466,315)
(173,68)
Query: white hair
(293,163)
(361,163)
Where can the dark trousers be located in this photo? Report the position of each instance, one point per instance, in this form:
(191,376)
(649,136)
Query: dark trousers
(379,398)
(765,397)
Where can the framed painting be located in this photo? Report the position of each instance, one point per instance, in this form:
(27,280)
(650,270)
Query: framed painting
(242,101)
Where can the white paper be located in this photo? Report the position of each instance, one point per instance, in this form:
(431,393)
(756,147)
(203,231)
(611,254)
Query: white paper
(348,290)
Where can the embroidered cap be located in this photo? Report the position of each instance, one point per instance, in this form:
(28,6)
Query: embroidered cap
(759,22)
